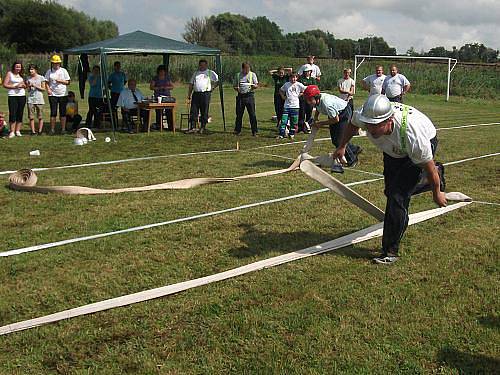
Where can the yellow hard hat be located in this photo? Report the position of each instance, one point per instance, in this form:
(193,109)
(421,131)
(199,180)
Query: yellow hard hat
(55,59)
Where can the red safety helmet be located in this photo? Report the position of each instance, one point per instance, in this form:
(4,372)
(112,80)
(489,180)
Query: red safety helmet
(311,91)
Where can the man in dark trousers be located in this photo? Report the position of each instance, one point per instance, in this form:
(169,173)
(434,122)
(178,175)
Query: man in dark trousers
(408,139)
(201,85)
(245,84)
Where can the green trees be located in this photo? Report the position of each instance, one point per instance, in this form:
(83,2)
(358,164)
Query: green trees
(44,26)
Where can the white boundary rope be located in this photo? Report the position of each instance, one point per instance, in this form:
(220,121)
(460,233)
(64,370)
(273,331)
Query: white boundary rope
(205,152)
(125,160)
(366,234)
(195,217)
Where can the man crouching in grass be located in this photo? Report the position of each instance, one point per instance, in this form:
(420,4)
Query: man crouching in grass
(409,142)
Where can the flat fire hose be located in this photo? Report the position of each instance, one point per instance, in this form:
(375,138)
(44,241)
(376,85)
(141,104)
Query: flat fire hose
(366,234)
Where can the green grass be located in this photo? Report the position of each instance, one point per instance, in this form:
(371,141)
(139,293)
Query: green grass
(436,311)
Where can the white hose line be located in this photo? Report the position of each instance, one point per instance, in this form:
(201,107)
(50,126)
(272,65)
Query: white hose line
(124,160)
(169,222)
(200,153)
(471,158)
(366,234)
(195,217)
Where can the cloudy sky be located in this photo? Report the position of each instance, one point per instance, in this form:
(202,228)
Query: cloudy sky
(419,23)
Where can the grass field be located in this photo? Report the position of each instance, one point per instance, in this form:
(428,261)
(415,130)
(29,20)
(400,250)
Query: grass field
(435,311)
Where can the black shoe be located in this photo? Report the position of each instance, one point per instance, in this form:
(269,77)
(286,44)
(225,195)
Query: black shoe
(236,132)
(337,168)
(352,163)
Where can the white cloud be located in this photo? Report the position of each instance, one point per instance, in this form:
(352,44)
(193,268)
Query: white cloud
(419,23)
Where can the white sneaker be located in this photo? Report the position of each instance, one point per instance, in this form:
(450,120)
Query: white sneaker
(385,260)
(292,137)
(279,137)
(18,134)
(12,135)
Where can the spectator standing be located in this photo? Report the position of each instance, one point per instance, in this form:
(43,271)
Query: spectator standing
(161,84)
(373,83)
(36,88)
(291,92)
(315,70)
(395,86)
(95,99)
(305,112)
(245,84)
(346,88)
(116,82)
(58,80)
(280,76)
(15,85)
(201,85)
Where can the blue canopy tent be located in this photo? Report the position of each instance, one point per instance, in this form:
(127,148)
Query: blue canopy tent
(142,43)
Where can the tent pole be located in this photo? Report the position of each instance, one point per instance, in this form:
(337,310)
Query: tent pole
(166,62)
(218,68)
(104,83)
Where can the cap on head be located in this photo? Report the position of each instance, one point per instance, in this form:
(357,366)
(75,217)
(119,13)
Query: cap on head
(311,91)
(308,68)
(376,109)
(56,59)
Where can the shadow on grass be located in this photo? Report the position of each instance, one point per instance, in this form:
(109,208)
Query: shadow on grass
(260,243)
(468,363)
(278,164)
(490,321)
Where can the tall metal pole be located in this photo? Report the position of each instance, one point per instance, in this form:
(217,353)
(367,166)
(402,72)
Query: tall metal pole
(355,70)
(449,79)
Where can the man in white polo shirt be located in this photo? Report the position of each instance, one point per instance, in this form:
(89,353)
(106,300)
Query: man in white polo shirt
(202,83)
(346,88)
(395,86)
(373,83)
(310,65)
(408,140)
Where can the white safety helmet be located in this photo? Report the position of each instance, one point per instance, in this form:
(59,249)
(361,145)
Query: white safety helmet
(79,141)
(308,68)
(376,109)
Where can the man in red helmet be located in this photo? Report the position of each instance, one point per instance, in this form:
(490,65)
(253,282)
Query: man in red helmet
(339,115)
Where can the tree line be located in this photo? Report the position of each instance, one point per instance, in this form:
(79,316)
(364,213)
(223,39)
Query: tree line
(238,34)
(44,26)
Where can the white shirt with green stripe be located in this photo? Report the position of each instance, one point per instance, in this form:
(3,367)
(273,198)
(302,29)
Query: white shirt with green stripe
(411,135)
(245,82)
(202,80)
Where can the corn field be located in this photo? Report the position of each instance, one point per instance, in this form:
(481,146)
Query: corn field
(425,78)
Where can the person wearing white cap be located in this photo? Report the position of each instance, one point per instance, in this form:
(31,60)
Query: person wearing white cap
(408,140)
(310,65)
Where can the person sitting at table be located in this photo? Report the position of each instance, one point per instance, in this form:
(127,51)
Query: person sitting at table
(128,99)
(161,85)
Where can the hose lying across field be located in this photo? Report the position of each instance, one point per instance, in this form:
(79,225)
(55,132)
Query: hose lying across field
(26,179)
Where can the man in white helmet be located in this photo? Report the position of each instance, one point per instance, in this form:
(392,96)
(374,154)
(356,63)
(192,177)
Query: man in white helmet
(408,139)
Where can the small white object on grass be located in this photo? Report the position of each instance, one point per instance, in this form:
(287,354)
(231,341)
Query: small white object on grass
(107,139)
(35,153)
(79,141)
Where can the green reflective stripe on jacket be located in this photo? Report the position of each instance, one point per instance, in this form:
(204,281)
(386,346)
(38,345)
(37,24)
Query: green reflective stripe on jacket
(404,127)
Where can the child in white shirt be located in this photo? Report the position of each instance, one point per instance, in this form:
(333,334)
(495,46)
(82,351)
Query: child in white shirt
(291,92)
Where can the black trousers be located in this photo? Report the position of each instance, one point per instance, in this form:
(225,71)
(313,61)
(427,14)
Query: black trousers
(337,131)
(279,106)
(397,99)
(114,99)
(350,103)
(305,112)
(74,121)
(127,117)
(16,108)
(95,108)
(402,179)
(245,101)
(200,105)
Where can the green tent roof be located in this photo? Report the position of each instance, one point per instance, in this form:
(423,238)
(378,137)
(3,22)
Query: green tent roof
(139,42)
